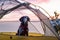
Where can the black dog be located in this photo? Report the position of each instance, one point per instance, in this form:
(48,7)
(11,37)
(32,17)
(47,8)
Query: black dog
(23,29)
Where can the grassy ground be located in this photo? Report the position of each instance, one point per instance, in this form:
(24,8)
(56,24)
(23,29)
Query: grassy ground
(14,33)
(7,37)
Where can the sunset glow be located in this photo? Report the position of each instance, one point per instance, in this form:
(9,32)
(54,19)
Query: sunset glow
(49,5)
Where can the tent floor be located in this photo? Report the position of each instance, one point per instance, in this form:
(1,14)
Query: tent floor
(9,36)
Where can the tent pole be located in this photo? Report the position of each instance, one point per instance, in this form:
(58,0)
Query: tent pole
(35,11)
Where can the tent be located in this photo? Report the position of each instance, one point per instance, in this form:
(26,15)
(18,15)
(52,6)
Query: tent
(43,27)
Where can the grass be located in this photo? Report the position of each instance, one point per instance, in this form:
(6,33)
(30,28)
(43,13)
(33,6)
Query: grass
(6,36)
(14,33)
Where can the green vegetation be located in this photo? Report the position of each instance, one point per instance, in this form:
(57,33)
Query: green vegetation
(6,36)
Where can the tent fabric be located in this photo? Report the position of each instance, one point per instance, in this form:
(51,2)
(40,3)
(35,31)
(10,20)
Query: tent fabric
(46,22)
(44,19)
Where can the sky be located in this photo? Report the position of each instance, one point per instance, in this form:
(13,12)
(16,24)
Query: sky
(49,5)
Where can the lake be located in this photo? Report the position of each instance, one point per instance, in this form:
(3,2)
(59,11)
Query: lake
(12,26)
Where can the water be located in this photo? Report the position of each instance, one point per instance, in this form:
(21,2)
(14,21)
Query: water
(12,26)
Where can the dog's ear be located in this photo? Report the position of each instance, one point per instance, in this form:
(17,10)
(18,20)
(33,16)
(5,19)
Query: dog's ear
(28,18)
(21,19)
